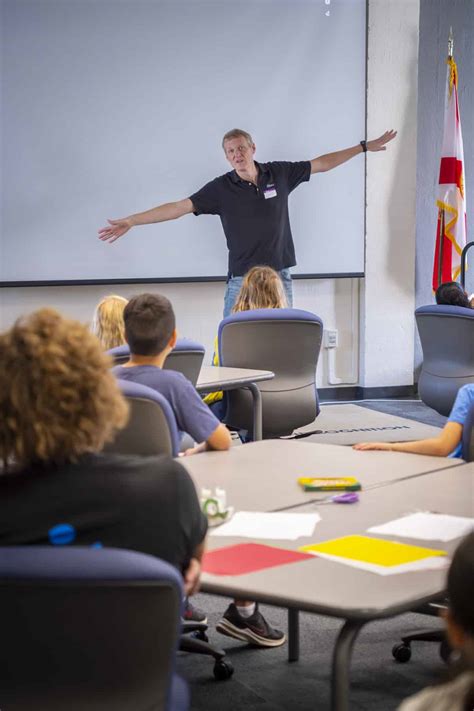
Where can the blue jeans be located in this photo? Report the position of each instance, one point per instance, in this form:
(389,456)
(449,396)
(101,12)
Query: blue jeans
(233,287)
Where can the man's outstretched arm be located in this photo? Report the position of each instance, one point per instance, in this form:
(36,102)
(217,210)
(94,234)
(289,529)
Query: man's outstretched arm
(168,211)
(331,160)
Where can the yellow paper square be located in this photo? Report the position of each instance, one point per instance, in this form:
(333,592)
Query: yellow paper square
(372,550)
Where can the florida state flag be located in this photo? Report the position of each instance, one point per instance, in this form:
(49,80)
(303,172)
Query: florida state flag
(451,229)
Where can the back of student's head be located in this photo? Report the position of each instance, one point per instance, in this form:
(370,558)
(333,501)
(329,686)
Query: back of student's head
(261,288)
(107,321)
(149,324)
(58,397)
(461,585)
(451,294)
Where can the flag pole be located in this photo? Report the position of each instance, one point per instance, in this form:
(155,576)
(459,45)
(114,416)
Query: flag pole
(441,247)
(441,215)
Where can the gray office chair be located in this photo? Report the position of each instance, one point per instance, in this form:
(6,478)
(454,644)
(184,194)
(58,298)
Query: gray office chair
(86,628)
(151,427)
(285,341)
(447,340)
(186,357)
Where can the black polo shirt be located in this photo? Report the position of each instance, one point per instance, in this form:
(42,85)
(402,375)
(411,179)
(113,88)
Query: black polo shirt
(255,217)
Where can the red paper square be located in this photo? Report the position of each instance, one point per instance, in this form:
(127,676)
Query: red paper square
(247,558)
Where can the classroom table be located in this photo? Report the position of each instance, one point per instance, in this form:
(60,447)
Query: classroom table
(213,378)
(261,476)
(329,588)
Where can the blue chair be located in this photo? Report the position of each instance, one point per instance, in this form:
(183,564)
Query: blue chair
(151,427)
(86,628)
(285,341)
(447,340)
(186,357)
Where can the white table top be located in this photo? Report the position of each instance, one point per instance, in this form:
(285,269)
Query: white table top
(219,378)
(327,587)
(261,476)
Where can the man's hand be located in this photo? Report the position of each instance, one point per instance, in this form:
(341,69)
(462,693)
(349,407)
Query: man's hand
(117,229)
(378,144)
(192,576)
(373,445)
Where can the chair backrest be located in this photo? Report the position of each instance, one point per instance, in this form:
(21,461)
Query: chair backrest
(447,340)
(467,442)
(151,427)
(186,357)
(285,341)
(86,628)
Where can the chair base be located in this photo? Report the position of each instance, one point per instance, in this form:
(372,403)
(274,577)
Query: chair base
(402,652)
(198,643)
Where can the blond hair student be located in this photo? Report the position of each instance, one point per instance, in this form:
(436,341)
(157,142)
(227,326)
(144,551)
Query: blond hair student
(107,321)
(261,288)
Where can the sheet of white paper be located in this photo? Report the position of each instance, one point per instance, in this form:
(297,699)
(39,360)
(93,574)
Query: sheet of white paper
(434,563)
(427,527)
(254,524)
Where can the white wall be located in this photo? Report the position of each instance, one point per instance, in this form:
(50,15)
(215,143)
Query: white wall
(388,299)
(387,293)
(198,308)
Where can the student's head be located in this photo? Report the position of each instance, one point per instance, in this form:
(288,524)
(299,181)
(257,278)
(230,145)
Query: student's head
(451,294)
(239,148)
(58,398)
(149,324)
(261,288)
(460,617)
(107,321)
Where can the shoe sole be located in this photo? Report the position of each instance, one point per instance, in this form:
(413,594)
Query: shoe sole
(229,630)
(198,622)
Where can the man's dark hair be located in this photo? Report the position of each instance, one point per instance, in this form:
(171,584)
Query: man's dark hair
(461,585)
(452,294)
(149,324)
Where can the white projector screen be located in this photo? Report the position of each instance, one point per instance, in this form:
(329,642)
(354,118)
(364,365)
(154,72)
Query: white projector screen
(111,107)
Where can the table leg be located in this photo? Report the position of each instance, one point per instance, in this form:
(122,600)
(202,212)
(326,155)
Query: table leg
(257,411)
(293,635)
(340,664)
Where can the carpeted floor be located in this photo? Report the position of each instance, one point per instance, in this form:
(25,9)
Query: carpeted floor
(265,681)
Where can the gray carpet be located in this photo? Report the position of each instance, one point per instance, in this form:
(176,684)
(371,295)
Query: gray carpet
(265,681)
(349,423)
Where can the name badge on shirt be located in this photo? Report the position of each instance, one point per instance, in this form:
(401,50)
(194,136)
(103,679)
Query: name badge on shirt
(270,191)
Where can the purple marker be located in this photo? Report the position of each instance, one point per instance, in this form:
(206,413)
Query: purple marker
(349,498)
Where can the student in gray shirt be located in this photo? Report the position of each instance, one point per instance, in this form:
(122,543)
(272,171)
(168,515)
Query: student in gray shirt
(151,334)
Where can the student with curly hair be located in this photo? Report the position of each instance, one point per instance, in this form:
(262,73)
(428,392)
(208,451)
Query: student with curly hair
(458,693)
(107,321)
(60,404)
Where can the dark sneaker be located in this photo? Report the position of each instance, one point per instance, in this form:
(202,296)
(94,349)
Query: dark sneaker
(254,629)
(193,614)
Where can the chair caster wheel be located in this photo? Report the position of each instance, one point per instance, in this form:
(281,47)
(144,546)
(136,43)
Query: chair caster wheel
(223,670)
(401,652)
(200,635)
(445,651)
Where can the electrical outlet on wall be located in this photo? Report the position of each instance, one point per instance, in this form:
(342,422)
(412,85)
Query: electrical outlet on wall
(331,338)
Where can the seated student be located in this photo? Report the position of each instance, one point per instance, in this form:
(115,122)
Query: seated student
(451,293)
(457,694)
(261,288)
(107,321)
(151,334)
(447,443)
(60,404)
